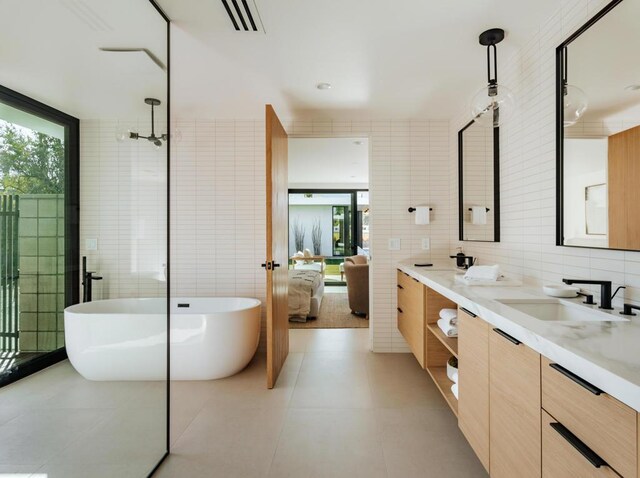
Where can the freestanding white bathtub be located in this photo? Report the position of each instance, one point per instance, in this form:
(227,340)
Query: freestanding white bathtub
(126,339)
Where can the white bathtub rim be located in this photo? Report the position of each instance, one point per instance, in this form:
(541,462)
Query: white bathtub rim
(100,307)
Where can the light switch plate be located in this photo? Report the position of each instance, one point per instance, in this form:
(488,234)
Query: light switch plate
(426,243)
(91,244)
(394,244)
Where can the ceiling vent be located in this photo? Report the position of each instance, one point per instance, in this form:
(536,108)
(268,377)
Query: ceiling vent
(244,15)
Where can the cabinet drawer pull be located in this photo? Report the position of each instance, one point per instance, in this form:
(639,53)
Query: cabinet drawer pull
(576,443)
(468,313)
(400,287)
(572,376)
(416,280)
(513,340)
(399,310)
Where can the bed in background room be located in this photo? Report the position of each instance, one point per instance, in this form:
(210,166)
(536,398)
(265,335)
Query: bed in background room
(305,294)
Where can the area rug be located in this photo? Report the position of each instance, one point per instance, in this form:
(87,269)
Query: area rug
(334,314)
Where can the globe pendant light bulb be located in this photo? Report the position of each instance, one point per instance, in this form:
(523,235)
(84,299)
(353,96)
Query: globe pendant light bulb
(574,104)
(492,111)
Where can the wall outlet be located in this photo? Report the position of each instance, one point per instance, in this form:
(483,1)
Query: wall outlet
(394,244)
(91,244)
(426,243)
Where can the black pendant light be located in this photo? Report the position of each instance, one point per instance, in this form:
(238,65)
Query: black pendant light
(494,103)
(156,140)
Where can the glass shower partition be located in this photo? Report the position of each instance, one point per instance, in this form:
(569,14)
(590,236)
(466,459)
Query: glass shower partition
(84,121)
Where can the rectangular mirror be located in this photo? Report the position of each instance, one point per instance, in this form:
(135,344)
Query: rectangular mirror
(478,183)
(598,132)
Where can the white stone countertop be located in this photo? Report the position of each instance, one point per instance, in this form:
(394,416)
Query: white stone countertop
(606,354)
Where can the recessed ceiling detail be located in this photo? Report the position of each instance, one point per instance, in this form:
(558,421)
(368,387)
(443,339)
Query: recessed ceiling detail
(151,56)
(243,17)
(87,15)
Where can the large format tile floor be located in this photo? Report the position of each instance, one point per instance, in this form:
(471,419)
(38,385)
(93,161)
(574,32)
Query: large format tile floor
(56,424)
(338,410)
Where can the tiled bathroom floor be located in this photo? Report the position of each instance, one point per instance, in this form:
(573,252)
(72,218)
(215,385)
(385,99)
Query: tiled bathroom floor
(338,411)
(55,424)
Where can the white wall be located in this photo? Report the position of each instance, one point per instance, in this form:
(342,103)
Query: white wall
(218,206)
(123,206)
(527,171)
(585,164)
(307,216)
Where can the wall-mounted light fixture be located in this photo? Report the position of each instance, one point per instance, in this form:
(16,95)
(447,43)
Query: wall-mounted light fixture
(574,100)
(152,138)
(494,103)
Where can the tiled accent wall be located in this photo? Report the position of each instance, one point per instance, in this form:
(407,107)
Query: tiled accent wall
(41,249)
(218,222)
(528,173)
(218,206)
(123,206)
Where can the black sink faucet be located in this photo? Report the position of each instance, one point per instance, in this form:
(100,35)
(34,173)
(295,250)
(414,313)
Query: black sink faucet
(87,281)
(605,290)
(464,262)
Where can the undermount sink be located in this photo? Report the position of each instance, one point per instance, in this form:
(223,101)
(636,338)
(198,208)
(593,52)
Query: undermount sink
(557,310)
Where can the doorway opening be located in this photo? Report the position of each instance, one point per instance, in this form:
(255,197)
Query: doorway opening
(329,214)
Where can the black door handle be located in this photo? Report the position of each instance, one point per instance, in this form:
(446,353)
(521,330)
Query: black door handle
(572,376)
(576,443)
(274,265)
(399,310)
(513,340)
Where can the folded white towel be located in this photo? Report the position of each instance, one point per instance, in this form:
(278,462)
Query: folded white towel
(454,377)
(483,273)
(454,389)
(450,315)
(448,329)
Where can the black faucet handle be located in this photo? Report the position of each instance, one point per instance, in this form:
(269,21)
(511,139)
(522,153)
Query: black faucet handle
(628,309)
(588,297)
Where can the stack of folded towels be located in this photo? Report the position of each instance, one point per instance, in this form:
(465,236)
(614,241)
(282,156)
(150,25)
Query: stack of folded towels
(452,373)
(448,322)
(483,273)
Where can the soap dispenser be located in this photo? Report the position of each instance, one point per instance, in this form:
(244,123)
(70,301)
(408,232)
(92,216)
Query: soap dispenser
(459,257)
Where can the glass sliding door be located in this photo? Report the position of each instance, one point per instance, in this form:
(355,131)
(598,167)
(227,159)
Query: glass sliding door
(333,224)
(38,228)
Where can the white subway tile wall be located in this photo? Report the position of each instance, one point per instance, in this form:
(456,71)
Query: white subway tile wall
(527,168)
(123,206)
(218,206)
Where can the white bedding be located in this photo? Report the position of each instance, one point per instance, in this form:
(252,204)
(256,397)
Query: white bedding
(302,286)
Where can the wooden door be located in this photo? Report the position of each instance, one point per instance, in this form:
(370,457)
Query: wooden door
(515,446)
(277,246)
(473,372)
(624,194)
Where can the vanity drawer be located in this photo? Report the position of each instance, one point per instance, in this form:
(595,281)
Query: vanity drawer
(604,424)
(411,320)
(408,284)
(561,457)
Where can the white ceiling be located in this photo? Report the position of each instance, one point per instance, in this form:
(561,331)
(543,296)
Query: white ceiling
(400,59)
(328,162)
(602,62)
(50,52)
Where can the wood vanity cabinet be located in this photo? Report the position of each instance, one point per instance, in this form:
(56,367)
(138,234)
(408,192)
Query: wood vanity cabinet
(473,373)
(411,314)
(514,394)
(561,459)
(605,425)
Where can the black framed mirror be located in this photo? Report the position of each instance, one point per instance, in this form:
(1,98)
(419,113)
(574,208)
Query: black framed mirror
(479,183)
(598,132)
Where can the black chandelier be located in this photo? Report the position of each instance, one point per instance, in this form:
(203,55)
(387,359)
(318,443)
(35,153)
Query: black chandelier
(156,140)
